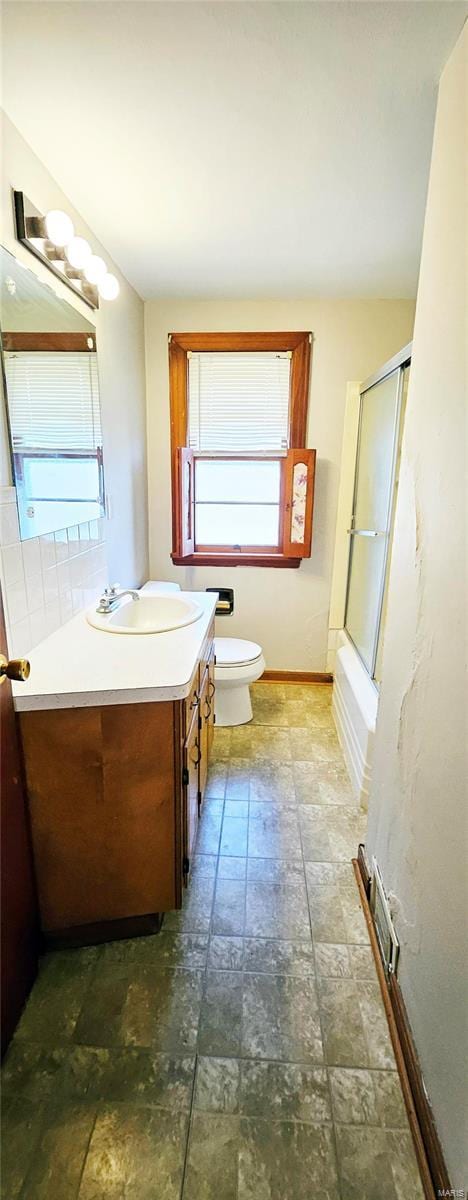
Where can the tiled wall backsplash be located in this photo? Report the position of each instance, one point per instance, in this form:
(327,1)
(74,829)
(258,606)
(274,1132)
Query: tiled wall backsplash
(47,580)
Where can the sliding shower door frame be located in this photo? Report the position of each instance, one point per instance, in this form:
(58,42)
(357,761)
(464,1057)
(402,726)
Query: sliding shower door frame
(395,364)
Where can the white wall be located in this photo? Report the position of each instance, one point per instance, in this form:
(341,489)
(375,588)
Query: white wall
(418,804)
(120,344)
(286,611)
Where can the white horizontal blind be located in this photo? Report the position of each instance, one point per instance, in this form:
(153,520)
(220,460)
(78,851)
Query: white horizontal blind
(239,402)
(53,400)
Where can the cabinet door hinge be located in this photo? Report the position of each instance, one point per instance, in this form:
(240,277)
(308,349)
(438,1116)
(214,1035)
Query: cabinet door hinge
(214,718)
(186,865)
(199,798)
(185,777)
(199,722)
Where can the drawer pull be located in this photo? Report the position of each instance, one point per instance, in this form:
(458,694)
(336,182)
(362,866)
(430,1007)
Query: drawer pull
(195,700)
(196,761)
(213,689)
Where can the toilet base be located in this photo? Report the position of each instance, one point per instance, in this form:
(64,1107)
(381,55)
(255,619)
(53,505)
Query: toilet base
(233,705)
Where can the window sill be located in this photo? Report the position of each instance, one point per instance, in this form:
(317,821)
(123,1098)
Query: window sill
(236,560)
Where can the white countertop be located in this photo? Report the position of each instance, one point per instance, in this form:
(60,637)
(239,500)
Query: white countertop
(78,666)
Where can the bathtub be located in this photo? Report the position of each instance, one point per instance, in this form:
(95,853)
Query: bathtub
(354,705)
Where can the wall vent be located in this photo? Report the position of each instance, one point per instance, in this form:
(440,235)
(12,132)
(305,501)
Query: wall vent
(384,927)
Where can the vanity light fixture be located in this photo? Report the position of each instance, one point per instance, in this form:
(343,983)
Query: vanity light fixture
(51,237)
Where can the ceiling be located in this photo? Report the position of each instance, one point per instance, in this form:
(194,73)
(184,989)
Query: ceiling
(238,149)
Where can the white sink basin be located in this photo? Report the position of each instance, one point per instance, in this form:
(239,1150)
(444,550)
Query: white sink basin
(149,614)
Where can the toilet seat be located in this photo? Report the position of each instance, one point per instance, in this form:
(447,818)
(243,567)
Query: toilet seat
(236,652)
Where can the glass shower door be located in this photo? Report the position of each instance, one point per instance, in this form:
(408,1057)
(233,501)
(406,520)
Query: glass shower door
(372,510)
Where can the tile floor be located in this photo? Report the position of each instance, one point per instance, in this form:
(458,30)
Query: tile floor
(243,1054)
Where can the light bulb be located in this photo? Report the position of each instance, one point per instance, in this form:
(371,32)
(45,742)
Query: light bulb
(95,269)
(108,287)
(59,227)
(78,253)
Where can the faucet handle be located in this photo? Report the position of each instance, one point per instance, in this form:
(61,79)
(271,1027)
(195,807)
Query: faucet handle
(112,589)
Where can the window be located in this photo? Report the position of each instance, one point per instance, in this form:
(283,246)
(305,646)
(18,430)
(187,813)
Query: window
(242,479)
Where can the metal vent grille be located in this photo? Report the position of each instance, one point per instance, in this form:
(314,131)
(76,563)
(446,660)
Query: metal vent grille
(385,930)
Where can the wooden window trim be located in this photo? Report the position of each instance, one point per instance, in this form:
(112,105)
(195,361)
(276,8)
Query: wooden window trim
(299,344)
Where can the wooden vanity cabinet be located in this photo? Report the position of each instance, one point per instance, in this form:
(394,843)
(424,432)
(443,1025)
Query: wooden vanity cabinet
(114,795)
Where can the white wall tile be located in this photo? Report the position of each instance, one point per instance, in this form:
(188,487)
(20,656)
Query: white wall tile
(31,558)
(47,547)
(51,588)
(35,593)
(37,621)
(19,638)
(9,527)
(17,602)
(61,545)
(12,562)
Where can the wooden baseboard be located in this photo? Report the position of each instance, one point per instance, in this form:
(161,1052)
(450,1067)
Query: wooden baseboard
(433,1171)
(296,677)
(102,931)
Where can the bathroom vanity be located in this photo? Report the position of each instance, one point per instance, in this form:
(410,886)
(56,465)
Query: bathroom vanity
(117,733)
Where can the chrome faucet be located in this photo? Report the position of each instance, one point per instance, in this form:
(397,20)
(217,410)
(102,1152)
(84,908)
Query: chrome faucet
(112,596)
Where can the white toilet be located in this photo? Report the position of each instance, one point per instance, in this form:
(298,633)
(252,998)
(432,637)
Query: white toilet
(238,664)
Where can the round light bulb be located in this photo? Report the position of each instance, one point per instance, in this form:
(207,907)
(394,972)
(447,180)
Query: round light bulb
(95,269)
(78,253)
(108,287)
(59,227)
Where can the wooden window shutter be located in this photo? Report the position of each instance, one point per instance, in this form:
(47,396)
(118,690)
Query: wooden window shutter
(298,502)
(186,497)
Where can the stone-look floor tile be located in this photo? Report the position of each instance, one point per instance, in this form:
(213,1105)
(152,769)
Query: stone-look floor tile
(377,1164)
(327,783)
(282,1159)
(280,1019)
(236,808)
(232,868)
(346,827)
(353,915)
(276,910)
(154,1007)
(333,962)
(404,1166)
(375,1024)
(234,836)
(275,957)
(301,715)
(343,1033)
(212,1160)
(362,962)
(318,874)
(241,742)
(326,914)
(129,1075)
(272,744)
(203,866)
(353,1096)
(32,1070)
(135,1152)
(209,830)
(221,748)
(273,831)
(54,1004)
(268,689)
(58,1160)
(167,948)
(197,903)
(217,1087)
(216,782)
(275,870)
(226,953)
(268,711)
(389,1098)
(221,1014)
(238,777)
(272,781)
(311,695)
(315,841)
(22,1121)
(315,746)
(229,907)
(285,1091)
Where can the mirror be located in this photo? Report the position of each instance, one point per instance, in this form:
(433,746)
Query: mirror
(50,379)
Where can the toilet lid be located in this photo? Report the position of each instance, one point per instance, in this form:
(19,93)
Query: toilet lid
(234,652)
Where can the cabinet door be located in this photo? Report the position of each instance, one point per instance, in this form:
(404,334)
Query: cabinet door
(211,699)
(192,757)
(205,710)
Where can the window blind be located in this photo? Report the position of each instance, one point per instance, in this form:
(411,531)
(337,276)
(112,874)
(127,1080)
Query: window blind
(239,402)
(53,400)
